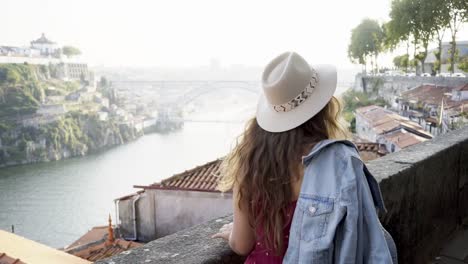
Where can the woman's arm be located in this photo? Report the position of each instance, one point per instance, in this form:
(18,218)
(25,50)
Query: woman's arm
(239,234)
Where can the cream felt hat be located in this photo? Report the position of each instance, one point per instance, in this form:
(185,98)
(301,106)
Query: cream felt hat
(293,92)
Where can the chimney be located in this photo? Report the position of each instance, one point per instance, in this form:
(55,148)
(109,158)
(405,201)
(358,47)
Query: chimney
(110,237)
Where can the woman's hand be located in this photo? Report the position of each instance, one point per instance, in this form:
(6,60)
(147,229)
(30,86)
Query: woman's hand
(224,232)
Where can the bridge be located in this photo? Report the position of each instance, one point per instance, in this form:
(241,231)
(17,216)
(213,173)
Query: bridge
(174,95)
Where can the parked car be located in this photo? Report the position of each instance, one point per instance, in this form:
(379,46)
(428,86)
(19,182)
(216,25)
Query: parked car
(410,74)
(458,74)
(443,74)
(425,74)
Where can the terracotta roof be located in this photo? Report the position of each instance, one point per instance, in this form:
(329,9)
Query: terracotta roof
(430,94)
(99,243)
(102,250)
(205,177)
(382,120)
(403,139)
(5,259)
(95,234)
(202,178)
(28,251)
(370,150)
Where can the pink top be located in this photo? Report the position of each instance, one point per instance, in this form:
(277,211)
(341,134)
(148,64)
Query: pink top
(260,254)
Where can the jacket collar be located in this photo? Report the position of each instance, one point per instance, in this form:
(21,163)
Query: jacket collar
(321,145)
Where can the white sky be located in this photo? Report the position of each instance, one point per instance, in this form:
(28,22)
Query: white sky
(185,33)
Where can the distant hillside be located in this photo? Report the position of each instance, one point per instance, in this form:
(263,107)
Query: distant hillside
(23,87)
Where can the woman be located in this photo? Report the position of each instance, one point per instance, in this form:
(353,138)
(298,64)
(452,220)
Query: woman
(300,194)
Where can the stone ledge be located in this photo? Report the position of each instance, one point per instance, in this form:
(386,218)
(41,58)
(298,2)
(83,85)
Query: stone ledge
(193,245)
(425,188)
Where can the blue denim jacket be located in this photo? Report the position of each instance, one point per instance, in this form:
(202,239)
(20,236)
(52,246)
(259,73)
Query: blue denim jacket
(335,220)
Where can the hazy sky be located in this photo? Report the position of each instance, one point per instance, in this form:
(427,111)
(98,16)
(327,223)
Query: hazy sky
(176,33)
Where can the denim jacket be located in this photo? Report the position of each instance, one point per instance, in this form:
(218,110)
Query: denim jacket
(335,220)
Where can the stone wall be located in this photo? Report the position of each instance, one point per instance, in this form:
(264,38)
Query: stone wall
(425,188)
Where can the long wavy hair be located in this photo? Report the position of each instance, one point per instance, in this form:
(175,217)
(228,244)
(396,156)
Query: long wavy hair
(264,164)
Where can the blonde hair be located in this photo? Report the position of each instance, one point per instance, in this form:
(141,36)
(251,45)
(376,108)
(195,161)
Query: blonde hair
(262,164)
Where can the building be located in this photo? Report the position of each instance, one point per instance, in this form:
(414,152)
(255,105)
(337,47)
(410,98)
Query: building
(371,150)
(76,71)
(15,249)
(45,52)
(431,59)
(423,105)
(99,243)
(380,125)
(186,199)
(460,93)
(183,200)
(45,46)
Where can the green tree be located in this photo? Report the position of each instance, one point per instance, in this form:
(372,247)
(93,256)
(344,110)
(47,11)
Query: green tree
(441,18)
(366,42)
(70,51)
(458,14)
(401,62)
(463,65)
(397,30)
(12,76)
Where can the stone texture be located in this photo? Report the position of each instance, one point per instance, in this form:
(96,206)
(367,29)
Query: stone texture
(425,188)
(193,245)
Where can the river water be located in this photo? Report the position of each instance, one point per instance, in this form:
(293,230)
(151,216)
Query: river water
(55,203)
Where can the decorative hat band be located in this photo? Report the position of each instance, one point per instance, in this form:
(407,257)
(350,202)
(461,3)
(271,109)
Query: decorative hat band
(298,100)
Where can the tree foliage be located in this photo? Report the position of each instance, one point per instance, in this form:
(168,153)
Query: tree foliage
(419,21)
(70,51)
(401,62)
(366,41)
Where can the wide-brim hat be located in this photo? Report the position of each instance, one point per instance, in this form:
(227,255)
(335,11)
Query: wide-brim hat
(293,92)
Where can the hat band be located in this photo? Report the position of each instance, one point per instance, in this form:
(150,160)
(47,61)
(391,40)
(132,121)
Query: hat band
(298,100)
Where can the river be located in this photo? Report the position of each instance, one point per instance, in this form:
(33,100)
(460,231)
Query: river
(55,203)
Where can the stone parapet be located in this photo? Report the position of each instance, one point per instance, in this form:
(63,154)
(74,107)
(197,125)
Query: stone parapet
(425,188)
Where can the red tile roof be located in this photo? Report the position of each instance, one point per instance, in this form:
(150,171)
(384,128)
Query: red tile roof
(205,178)
(202,178)
(5,259)
(101,250)
(382,120)
(95,234)
(404,139)
(366,148)
(429,94)
(99,243)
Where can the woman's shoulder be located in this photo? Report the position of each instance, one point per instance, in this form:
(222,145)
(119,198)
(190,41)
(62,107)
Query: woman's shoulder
(333,151)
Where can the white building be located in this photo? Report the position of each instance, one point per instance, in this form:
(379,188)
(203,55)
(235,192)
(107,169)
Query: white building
(462,47)
(460,93)
(44,45)
(179,202)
